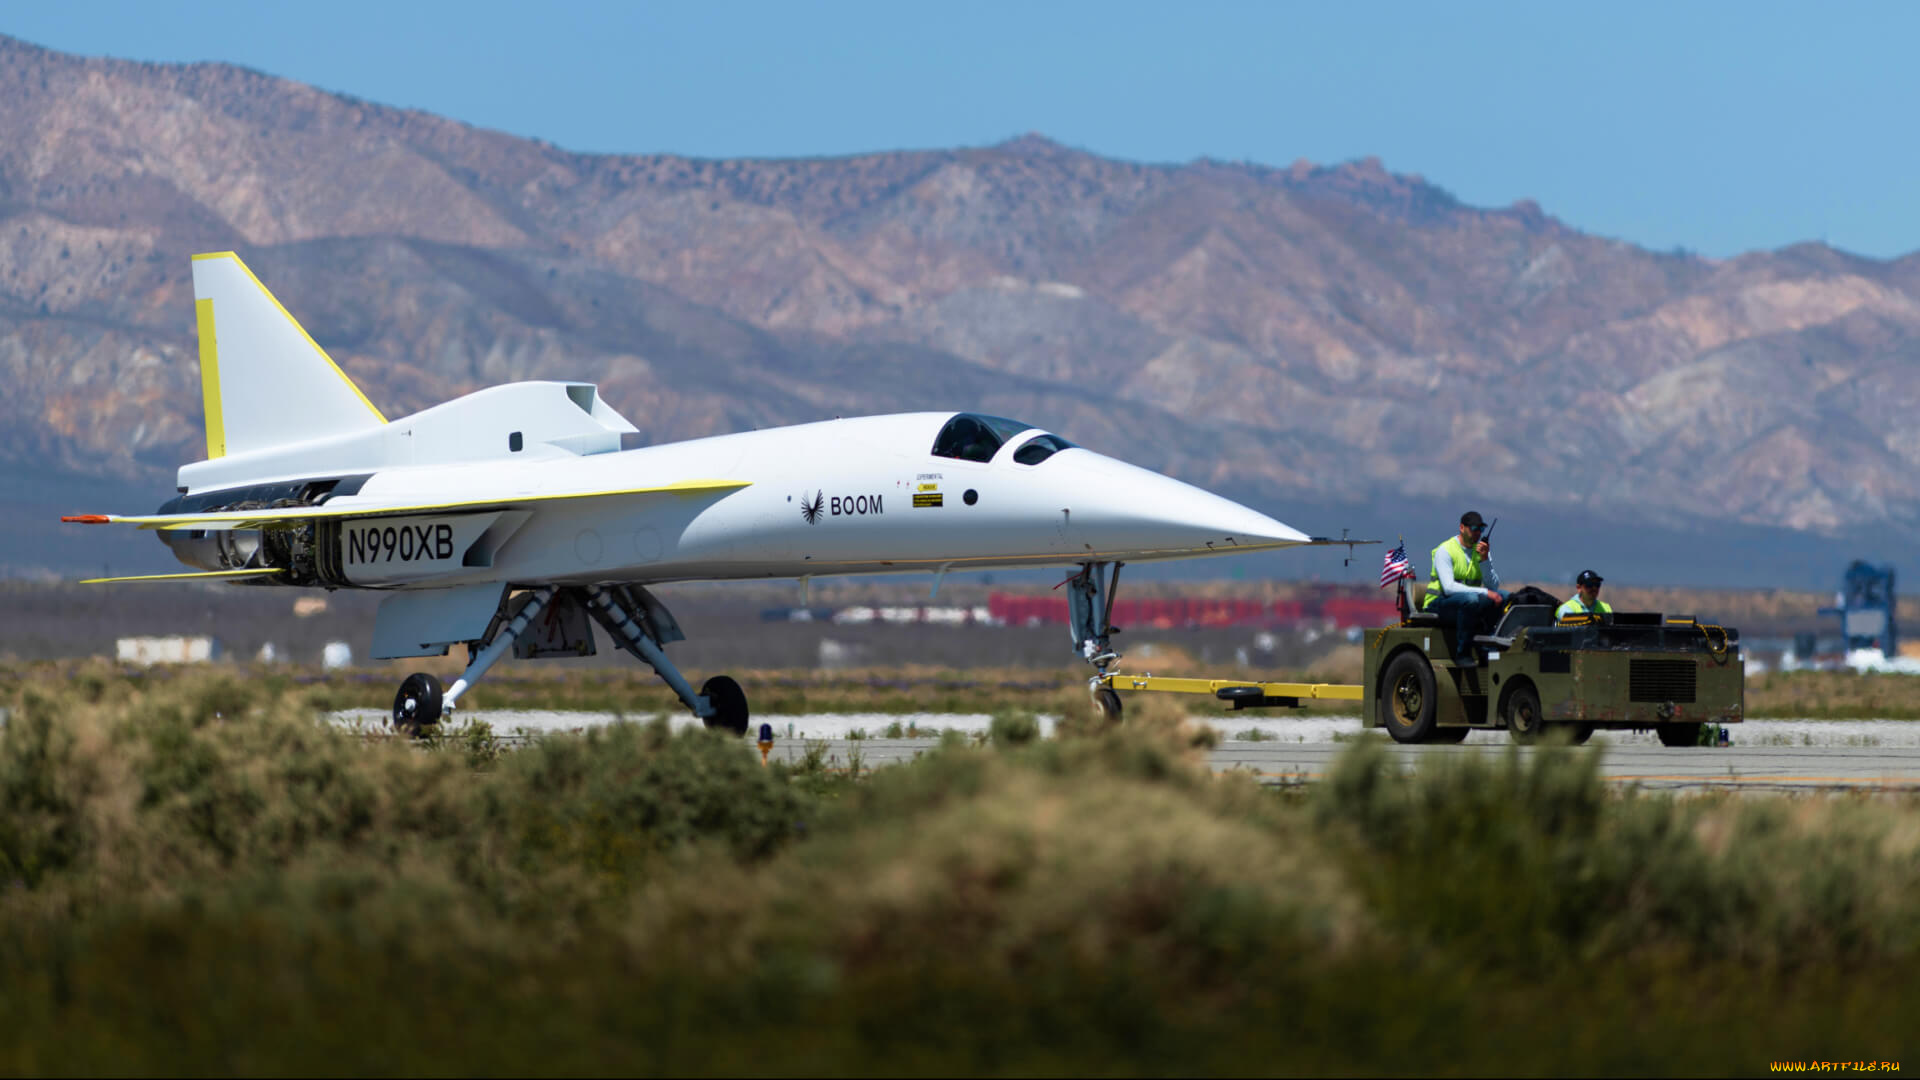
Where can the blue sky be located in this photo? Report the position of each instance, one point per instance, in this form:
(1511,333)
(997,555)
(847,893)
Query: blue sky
(1715,127)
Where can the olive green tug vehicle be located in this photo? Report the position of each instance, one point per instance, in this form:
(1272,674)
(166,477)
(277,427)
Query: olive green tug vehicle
(1622,672)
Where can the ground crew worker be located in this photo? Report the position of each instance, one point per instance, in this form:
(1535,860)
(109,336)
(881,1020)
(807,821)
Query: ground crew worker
(1585,602)
(1464,585)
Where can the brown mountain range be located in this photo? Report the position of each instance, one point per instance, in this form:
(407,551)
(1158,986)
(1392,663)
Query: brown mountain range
(1323,333)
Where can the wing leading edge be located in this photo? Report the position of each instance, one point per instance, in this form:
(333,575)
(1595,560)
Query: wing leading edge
(294,515)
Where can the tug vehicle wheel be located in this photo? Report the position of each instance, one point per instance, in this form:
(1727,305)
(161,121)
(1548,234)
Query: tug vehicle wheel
(417,706)
(729,705)
(1521,711)
(1408,699)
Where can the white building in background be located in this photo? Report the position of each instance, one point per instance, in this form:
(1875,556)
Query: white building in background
(173,649)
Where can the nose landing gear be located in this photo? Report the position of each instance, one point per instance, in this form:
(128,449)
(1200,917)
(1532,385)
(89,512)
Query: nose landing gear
(1090,617)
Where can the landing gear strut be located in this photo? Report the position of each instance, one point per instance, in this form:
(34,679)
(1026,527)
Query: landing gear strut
(1090,617)
(639,623)
(642,625)
(420,703)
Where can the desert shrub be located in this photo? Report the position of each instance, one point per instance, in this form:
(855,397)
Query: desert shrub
(1013,727)
(199,877)
(1535,861)
(479,743)
(51,775)
(611,799)
(1051,893)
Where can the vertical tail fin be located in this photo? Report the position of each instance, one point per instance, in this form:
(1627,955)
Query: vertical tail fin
(264,381)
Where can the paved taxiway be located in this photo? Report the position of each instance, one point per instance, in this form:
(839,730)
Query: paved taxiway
(1756,768)
(1766,755)
(1741,768)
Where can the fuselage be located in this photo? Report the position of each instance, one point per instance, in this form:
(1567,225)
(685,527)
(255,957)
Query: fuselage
(851,496)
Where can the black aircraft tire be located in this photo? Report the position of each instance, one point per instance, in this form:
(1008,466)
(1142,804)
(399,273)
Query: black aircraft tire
(1408,698)
(729,705)
(1106,702)
(1450,735)
(417,706)
(1521,711)
(1678,734)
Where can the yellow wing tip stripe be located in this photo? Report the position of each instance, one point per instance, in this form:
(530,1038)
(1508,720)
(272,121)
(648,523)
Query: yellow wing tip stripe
(200,575)
(268,293)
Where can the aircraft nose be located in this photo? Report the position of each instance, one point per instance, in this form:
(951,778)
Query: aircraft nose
(1117,506)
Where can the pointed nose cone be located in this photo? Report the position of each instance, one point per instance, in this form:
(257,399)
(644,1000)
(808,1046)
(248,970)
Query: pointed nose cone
(1122,507)
(1243,524)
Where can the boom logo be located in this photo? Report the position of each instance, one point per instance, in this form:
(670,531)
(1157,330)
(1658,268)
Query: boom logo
(826,505)
(849,505)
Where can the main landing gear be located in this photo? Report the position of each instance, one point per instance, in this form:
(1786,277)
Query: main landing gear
(638,623)
(418,705)
(1090,617)
(642,625)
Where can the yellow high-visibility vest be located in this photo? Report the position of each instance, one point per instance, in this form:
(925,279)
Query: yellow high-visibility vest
(1466,568)
(1577,606)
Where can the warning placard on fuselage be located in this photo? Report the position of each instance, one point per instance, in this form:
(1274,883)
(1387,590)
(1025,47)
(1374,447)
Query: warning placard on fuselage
(384,551)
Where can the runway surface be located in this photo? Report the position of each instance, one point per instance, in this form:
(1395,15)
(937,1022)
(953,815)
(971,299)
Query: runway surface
(1766,755)
(1803,768)
(1747,768)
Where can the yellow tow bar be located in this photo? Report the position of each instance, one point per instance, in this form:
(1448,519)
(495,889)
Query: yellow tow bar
(1239,689)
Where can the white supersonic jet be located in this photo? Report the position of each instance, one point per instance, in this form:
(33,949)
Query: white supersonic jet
(508,518)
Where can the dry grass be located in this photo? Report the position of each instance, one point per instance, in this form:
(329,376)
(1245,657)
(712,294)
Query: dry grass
(1733,607)
(1833,695)
(635,691)
(1823,695)
(195,876)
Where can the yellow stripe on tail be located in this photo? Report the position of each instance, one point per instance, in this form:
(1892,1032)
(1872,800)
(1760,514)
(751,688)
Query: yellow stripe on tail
(210,379)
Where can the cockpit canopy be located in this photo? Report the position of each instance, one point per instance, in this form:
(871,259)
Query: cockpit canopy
(974,437)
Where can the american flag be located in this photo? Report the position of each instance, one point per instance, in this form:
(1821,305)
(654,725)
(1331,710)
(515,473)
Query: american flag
(1396,567)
